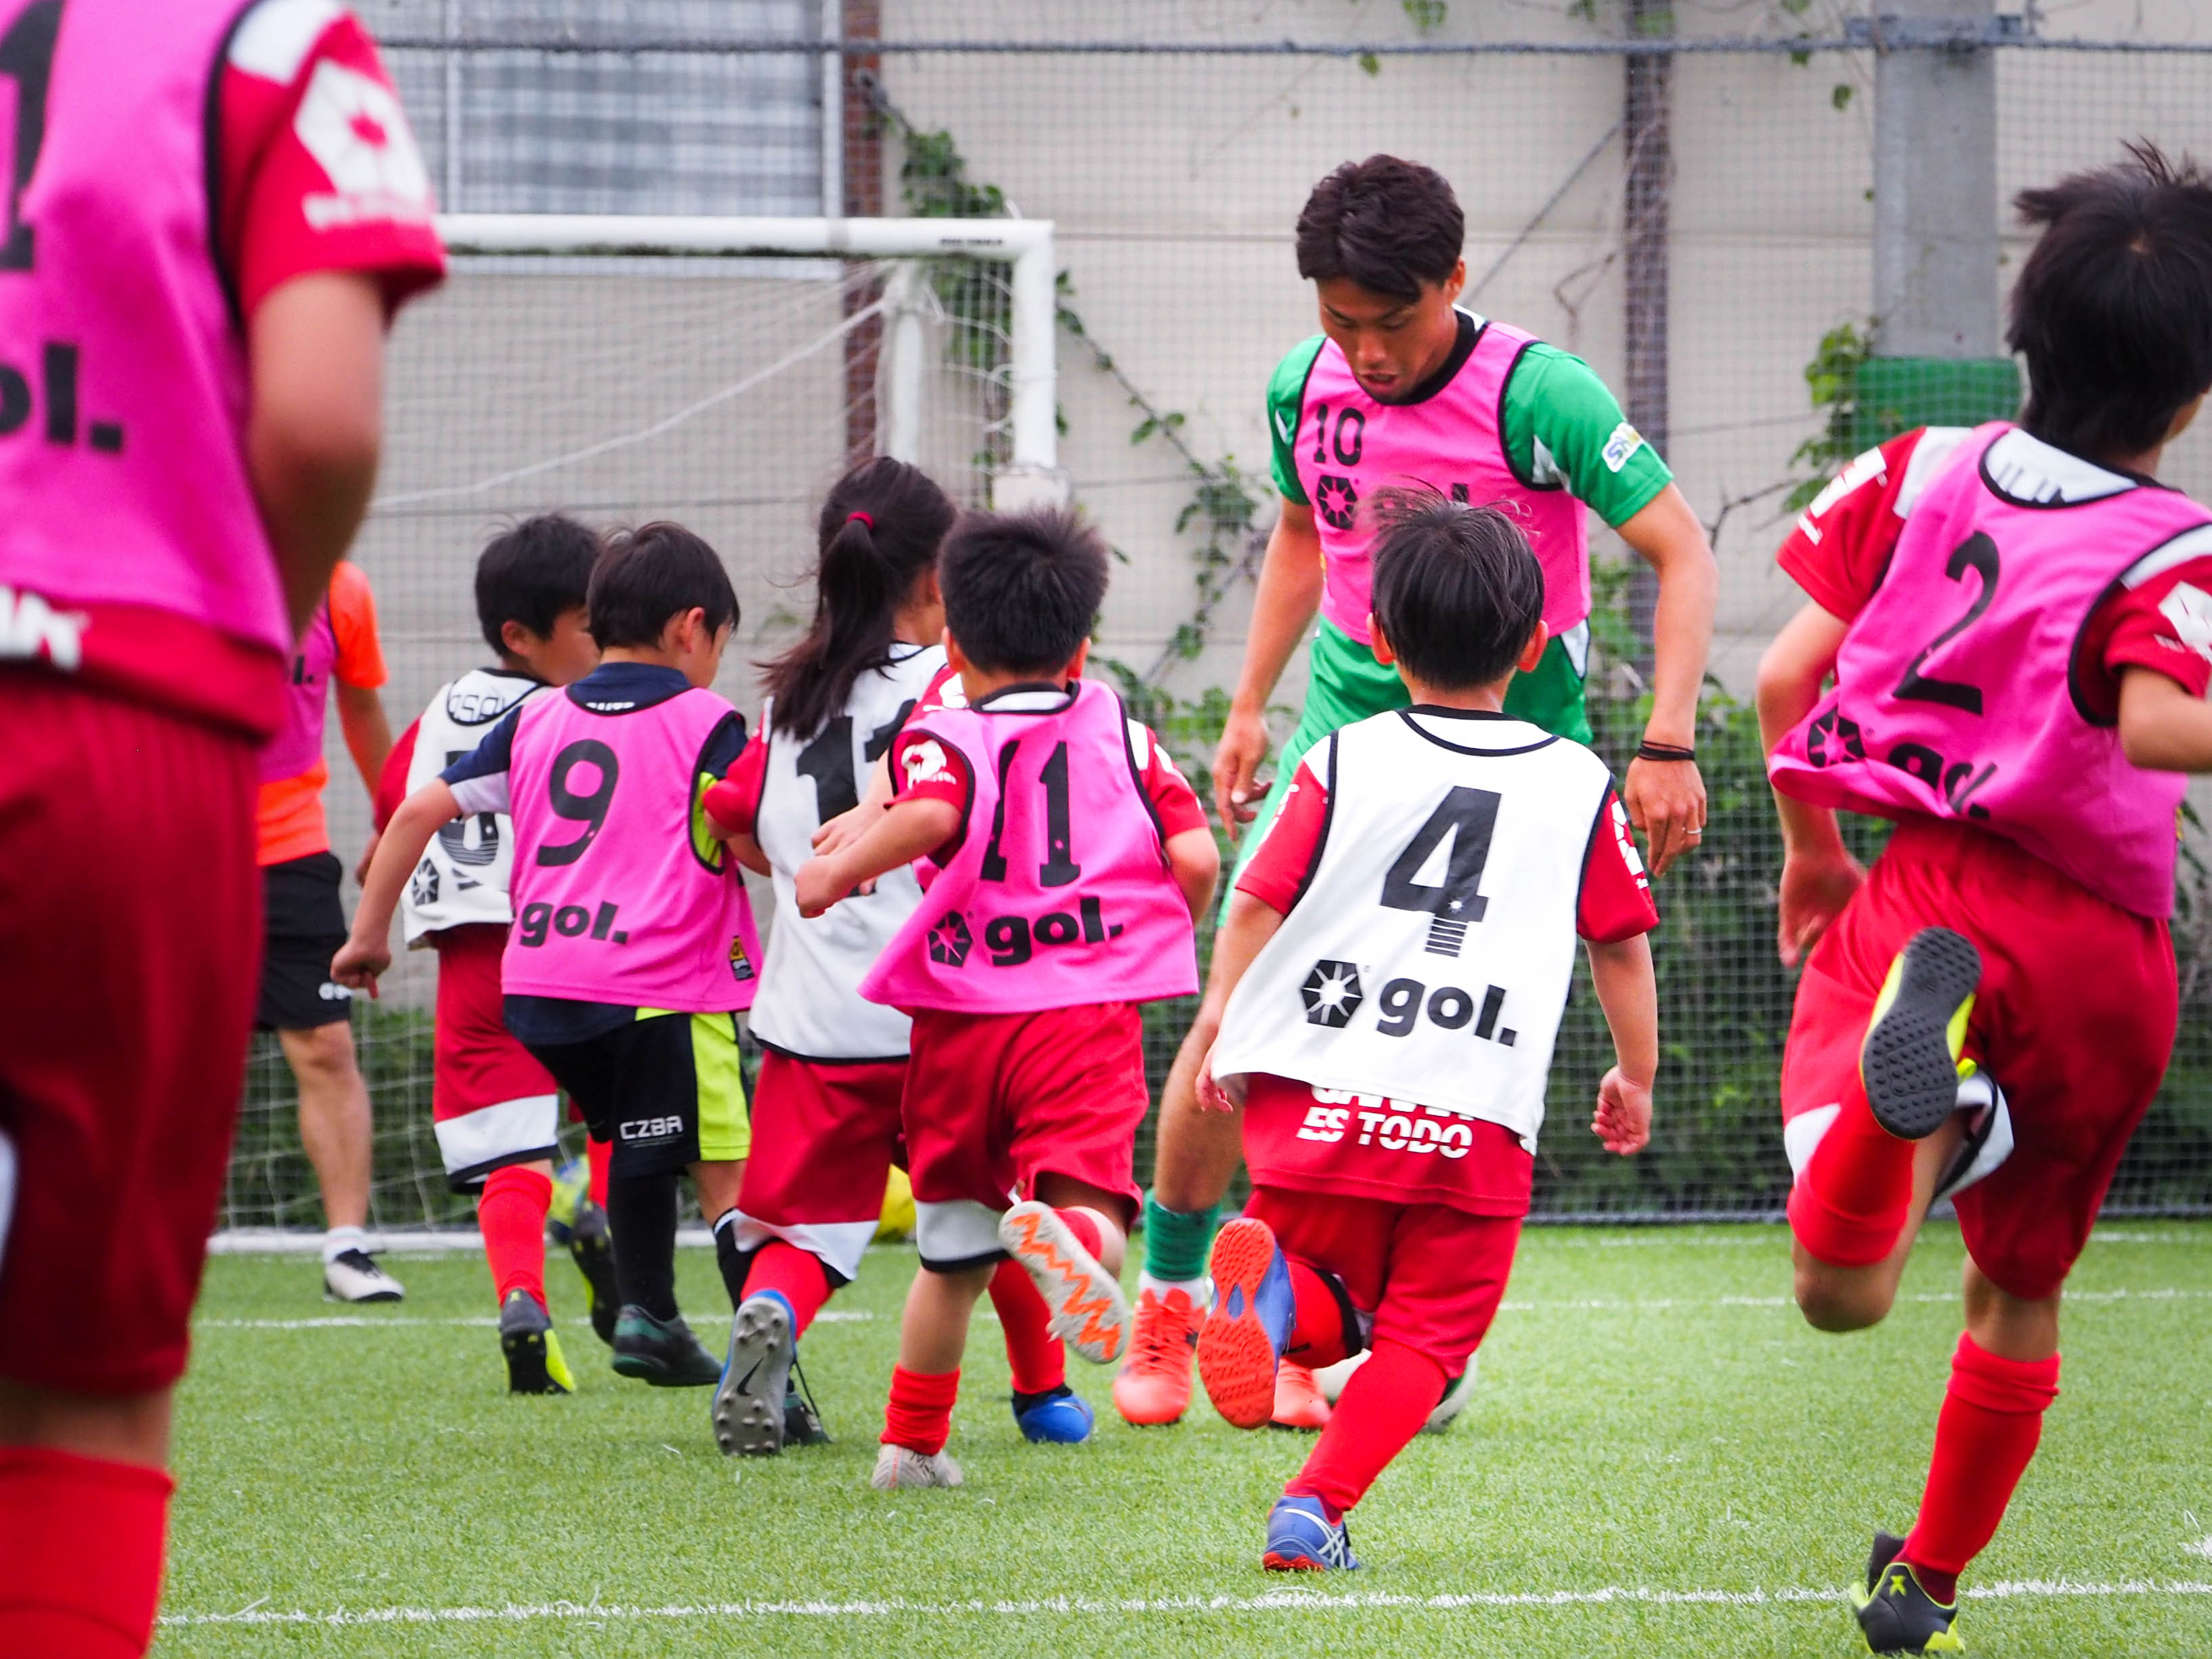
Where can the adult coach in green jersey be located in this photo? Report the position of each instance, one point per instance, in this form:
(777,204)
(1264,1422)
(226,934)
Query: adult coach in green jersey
(1401,386)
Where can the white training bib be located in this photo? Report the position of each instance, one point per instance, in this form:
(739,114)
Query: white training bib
(810,1003)
(462,874)
(1430,956)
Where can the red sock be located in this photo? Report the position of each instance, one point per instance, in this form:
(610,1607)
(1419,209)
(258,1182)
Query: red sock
(512,1214)
(1850,1206)
(81,1542)
(1992,1416)
(920,1415)
(1033,1353)
(1084,1226)
(598,1154)
(1380,1410)
(1317,1336)
(795,1274)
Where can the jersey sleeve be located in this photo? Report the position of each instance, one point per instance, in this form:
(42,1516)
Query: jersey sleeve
(318,169)
(734,803)
(945,691)
(1173,800)
(479,779)
(353,625)
(392,782)
(1286,403)
(1841,545)
(1561,426)
(924,767)
(1616,901)
(1284,864)
(2164,624)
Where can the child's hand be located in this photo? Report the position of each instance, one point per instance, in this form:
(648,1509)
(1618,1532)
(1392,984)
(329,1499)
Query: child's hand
(1623,1119)
(847,827)
(358,963)
(1212,1096)
(816,886)
(1814,890)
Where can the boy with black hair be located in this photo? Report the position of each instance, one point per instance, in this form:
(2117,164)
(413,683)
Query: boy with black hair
(2018,623)
(495,1108)
(1062,858)
(1389,1038)
(633,944)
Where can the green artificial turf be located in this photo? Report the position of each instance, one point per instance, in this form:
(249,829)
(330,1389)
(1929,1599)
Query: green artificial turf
(1652,1419)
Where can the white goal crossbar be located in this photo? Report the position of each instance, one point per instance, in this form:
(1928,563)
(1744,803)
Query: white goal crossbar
(1034,474)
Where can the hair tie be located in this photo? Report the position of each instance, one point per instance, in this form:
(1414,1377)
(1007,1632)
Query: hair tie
(868,519)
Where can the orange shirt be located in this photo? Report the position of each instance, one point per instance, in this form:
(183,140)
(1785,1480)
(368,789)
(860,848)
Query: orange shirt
(291,825)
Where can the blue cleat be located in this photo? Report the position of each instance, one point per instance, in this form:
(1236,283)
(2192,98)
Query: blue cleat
(1058,1419)
(1301,1538)
(1246,1329)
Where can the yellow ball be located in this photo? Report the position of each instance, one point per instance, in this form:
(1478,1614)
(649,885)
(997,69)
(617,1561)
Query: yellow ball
(898,1207)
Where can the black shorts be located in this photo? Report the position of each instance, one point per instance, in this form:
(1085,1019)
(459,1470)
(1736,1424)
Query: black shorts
(303,928)
(667,1089)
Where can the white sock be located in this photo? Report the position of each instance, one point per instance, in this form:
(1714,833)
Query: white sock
(1197,1290)
(339,1240)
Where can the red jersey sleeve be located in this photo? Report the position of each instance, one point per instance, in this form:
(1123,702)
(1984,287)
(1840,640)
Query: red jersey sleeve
(1278,872)
(1841,543)
(924,767)
(1169,791)
(1616,897)
(945,691)
(318,169)
(392,782)
(734,803)
(2163,623)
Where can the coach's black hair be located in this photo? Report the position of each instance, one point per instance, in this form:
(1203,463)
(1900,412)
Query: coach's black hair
(534,573)
(650,576)
(878,533)
(1457,592)
(1386,225)
(1021,589)
(2114,308)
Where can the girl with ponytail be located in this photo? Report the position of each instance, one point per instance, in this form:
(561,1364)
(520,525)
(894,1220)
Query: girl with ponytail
(826,1128)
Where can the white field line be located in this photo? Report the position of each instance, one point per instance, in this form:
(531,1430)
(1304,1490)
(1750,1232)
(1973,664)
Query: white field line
(1278,1602)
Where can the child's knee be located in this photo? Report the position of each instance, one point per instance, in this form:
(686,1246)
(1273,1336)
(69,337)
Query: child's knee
(1838,1299)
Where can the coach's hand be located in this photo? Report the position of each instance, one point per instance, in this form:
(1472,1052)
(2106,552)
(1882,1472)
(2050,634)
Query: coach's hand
(1666,802)
(1236,760)
(1622,1121)
(1815,888)
(359,962)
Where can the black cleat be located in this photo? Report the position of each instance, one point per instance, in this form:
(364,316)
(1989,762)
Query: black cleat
(749,1400)
(663,1353)
(802,1419)
(591,1249)
(534,1364)
(1909,1061)
(1895,1613)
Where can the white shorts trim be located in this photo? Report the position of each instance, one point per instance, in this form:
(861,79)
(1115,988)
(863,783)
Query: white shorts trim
(956,1233)
(841,1244)
(504,1133)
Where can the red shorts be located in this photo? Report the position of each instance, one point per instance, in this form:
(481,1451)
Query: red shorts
(2075,1019)
(492,1103)
(994,1101)
(130,959)
(825,1135)
(1426,1275)
(1370,1147)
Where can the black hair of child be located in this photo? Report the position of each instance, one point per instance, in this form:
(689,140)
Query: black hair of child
(534,573)
(2114,308)
(878,531)
(1386,225)
(1457,591)
(649,576)
(1021,589)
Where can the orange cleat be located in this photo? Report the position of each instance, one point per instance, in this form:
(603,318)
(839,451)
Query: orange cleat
(1240,1344)
(1154,1386)
(1299,1402)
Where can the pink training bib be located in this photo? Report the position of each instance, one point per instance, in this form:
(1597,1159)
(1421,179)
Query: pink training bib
(1351,448)
(618,897)
(1059,895)
(1955,688)
(123,373)
(299,745)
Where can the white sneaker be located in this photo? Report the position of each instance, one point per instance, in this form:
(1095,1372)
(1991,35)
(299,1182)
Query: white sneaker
(351,1276)
(899,1467)
(1089,1312)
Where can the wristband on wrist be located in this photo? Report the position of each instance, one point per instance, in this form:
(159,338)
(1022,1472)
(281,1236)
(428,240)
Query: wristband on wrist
(1650,750)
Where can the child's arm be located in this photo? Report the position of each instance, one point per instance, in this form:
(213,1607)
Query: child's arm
(367,949)
(1251,923)
(1819,874)
(1196,862)
(1621,972)
(2162,727)
(907,829)
(851,825)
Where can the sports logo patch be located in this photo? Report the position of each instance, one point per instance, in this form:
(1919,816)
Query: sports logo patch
(950,941)
(355,127)
(1332,994)
(1625,442)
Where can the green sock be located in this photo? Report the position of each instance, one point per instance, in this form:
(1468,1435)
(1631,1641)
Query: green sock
(1176,1241)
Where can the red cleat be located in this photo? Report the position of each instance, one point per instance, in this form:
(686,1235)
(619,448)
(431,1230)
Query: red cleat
(1299,1402)
(1154,1386)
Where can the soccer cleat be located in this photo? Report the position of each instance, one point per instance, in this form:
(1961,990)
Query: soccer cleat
(1247,1326)
(1895,1613)
(591,1249)
(802,1419)
(1909,1061)
(572,1190)
(1089,1312)
(899,1466)
(1154,1384)
(351,1276)
(663,1353)
(1301,1538)
(1061,1418)
(526,1337)
(748,1413)
(1989,1138)
(1298,1404)
(1454,1402)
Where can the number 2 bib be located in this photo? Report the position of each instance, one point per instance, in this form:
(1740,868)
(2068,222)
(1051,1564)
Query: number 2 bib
(1958,691)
